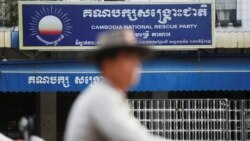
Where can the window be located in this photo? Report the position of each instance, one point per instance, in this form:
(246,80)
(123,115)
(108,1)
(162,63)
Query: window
(226,13)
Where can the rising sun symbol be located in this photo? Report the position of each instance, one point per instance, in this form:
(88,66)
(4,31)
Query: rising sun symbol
(49,21)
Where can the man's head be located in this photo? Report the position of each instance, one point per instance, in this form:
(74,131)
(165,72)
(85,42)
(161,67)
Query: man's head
(121,67)
(119,57)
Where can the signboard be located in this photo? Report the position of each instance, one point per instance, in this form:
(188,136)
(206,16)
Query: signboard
(37,82)
(74,26)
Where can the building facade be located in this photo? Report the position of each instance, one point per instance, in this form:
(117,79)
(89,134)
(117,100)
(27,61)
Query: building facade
(174,114)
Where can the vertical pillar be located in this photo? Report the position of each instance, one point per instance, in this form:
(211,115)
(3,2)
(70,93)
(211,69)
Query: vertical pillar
(48,116)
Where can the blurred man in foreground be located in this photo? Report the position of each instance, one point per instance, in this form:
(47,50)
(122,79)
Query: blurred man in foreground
(101,112)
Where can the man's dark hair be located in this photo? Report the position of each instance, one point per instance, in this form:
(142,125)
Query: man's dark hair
(106,54)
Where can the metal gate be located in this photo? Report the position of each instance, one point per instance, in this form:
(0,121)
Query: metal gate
(195,119)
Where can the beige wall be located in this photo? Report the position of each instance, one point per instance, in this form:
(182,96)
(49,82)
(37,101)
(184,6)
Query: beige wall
(5,39)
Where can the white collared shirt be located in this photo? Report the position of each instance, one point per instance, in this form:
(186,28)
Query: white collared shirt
(102,113)
(4,138)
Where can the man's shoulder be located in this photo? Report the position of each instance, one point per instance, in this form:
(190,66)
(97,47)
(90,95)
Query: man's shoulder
(99,92)
(88,98)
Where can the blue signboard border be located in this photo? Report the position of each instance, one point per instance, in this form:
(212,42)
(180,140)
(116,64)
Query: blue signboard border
(155,47)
